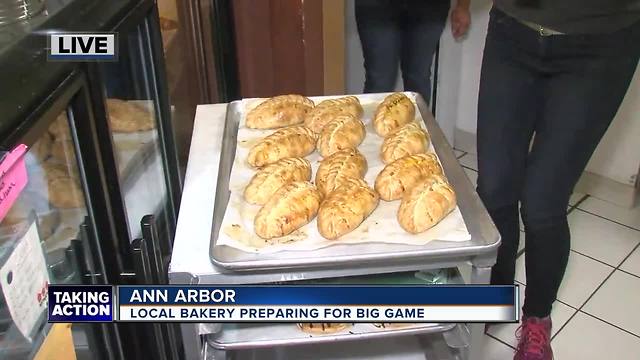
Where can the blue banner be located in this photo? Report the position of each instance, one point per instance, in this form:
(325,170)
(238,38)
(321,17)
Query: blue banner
(69,303)
(317,295)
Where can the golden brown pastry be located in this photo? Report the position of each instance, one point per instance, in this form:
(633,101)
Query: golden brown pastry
(53,170)
(290,208)
(323,328)
(407,140)
(392,325)
(327,110)
(273,176)
(279,111)
(426,204)
(59,129)
(41,149)
(393,112)
(346,208)
(128,117)
(334,169)
(65,193)
(63,151)
(47,223)
(401,175)
(343,132)
(294,141)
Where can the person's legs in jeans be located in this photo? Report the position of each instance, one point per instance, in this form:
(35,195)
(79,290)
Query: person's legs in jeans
(507,107)
(380,36)
(588,77)
(423,24)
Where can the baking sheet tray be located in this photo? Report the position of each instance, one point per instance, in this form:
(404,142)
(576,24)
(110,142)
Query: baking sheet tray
(484,238)
(381,226)
(249,336)
(403,348)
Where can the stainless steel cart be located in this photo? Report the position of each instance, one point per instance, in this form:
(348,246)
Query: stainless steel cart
(191,264)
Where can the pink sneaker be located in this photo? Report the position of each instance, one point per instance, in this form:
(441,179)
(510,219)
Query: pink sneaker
(534,339)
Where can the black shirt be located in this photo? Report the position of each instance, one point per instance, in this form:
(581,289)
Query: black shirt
(574,16)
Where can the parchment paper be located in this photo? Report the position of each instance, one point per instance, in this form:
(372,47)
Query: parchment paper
(381,226)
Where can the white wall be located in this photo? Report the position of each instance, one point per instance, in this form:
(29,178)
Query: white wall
(459,72)
(618,155)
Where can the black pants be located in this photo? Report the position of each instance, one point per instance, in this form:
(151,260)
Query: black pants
(565,90)
(400,31)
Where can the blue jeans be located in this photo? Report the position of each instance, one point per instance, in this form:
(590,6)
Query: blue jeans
(565,90)
(404,32)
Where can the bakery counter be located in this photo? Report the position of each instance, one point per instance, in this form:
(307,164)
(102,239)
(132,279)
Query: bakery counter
(191,261)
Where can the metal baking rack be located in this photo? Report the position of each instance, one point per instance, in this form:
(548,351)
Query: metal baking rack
(224,341)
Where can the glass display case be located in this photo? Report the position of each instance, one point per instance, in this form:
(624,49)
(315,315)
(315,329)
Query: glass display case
(54,230)
(101,171)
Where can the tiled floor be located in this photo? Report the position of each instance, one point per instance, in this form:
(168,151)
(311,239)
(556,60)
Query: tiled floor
(597,315)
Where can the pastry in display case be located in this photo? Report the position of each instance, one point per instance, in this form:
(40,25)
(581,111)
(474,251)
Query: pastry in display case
(53,191)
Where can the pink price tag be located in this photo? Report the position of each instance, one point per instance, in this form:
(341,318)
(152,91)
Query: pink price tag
(13,178)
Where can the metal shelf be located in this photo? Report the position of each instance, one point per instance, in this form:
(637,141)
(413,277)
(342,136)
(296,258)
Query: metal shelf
(406,348)
(419,347)
(251,336)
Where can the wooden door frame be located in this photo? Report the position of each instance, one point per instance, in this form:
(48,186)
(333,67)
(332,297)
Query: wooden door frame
(289,46)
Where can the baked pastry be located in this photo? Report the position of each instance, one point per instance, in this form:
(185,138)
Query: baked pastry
(273,176)
(407,140)
(349,104)
(127,117)
(63,150)
(393,112)
(327,110)
(294,141)
(48,223)
(53,170)
(279,111)
(323,328)
(59,129)
(426,204)
(334,169)
(290,208)
(41,149)
(65,193)
(392,325)
(343,132)
(402,174)
(345,208)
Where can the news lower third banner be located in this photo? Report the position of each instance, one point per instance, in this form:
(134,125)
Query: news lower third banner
(440,303)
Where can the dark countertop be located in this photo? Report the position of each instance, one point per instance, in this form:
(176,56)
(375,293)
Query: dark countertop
(26,76)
